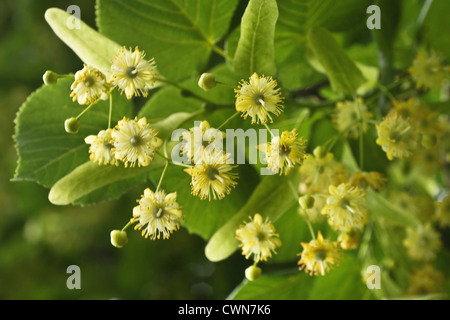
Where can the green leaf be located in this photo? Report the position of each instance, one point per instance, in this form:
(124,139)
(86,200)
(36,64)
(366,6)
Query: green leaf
(275,287)
(271,198)
(381,207)
(93,48)
(255,50)
(344,75)
(343,282)
(296,18)
(46,152)
(179,34)
(90,177)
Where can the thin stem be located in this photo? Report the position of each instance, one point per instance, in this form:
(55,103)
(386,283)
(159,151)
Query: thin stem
(87,109)
(172,162)
(228,120)
(176,85)
(162,176)
(127,225)
(308,223)
(225,84)
(386,91)
(220,51)
(110,109)
(268,129)
(361,134)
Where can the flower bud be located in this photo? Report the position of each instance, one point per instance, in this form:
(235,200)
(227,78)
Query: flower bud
(252,273)
(306,201)
(429,140)
(50,77)
(72,125)
(207,81)
(119,238)
(320,152)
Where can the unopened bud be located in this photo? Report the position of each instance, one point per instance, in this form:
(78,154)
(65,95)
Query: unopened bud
(252,273)
(50,77)
(306,201)
(207,81)
(72,125)
(429,140)
(320,152)
(119,238)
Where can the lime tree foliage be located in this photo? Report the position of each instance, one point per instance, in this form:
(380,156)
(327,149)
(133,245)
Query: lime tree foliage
(338,159)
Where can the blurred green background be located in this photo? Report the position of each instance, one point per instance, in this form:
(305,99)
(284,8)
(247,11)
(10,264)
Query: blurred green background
(38,240)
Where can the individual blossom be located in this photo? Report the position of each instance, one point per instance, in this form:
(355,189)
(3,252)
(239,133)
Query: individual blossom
(364,180)
(89,85)
(396,136)
(212,176)
(319,255)
(135,142)
(426,280)
(442,215)
(282,153)
(132,73)
(422,242)
(101,148)
(258,237)
(198,138)
(320,170)
(351,117)
(428,70)
(258,98)
(346,207)
(157,215)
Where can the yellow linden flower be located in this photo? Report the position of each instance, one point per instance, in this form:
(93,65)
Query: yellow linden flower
(198,138)
(212,176)
(365,180)
(318,255)
(158,214)
(442,215)
(422,242)
(283,153)
(258,237)
(421,118)
(428,70)
(320,170)
(351,117)
(132,73)
(396,136)
(426,280)
(135,142)
(101,148)
(89,85)
(258,98)
(346,207)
